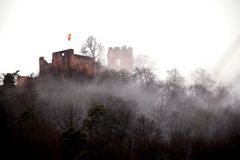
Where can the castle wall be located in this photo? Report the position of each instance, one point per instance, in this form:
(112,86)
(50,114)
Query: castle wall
(61,59)
(22,80)
(44,66)
(120,58)
(67,61)
(83,64)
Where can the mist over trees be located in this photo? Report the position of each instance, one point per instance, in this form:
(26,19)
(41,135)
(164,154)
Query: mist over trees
(120,115)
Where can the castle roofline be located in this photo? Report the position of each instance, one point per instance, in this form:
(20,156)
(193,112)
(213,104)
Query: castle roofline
(120,48)
(66,50)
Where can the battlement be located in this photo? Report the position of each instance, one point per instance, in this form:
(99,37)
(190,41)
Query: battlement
(123,49)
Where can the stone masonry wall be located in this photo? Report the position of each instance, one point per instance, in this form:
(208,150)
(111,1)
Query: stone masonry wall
(120,58)
(66,61)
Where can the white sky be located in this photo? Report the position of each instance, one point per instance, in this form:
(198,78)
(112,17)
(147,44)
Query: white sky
(185,34)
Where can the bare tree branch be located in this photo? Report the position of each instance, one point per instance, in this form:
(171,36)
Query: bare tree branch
(92,48)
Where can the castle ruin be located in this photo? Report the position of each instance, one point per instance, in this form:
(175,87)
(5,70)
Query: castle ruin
(120,58)
(66,61)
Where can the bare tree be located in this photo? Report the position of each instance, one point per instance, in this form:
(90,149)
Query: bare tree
(92,48)
(68,116)
(174,78)
(147,138)
(9,79)
(144,61)
(201,77)
(146,77)
(175,89)
(203,86)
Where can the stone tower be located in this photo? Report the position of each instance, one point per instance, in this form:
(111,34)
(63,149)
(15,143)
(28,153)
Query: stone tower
(120,58)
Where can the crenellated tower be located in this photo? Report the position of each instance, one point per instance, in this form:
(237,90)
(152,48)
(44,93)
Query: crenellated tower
(120,58)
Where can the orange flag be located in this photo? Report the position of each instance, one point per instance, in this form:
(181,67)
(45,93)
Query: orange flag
(69,37)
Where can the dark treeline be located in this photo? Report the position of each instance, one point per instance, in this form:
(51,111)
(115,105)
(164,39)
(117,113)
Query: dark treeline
(119,116)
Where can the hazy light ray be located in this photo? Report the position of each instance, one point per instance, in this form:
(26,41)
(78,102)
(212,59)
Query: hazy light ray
(226,59)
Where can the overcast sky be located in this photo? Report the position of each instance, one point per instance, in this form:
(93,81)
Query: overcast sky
(185,34)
